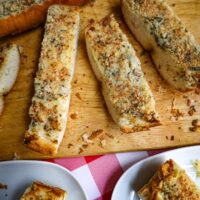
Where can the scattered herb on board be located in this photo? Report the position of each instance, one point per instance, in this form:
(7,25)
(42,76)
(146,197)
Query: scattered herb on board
(96,134)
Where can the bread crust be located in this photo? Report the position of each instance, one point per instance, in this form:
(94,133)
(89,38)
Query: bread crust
(29,17)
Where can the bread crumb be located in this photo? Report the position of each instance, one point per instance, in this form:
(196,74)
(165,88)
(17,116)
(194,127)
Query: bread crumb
(176,113)
(189,102)
(78,95)
(109,135)
(103,143)
(172,138)
(191,110)
(85,146)
(70,145)
(195,126)
(16,156)
(85,138)
(80,150)
(74,115)
(96,134)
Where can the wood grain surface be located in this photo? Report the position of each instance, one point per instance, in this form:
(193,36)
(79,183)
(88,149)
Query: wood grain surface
(88,115)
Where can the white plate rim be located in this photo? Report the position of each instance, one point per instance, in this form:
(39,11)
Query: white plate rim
(48,164)
(147,159)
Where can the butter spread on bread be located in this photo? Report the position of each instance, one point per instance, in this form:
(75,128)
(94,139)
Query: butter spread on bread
(115,64)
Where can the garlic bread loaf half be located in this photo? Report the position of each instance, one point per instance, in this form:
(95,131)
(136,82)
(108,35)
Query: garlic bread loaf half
(116,66)
(174,50)
(18,16)
(170,182)
(50,103)
(42,191)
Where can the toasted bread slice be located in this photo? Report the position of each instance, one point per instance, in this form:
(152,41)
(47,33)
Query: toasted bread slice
(9,67)
(115,64)
(173,48)
(170,182)
(41,191)
(18,16)
(50,102)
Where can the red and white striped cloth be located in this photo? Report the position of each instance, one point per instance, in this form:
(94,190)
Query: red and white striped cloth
(99,174)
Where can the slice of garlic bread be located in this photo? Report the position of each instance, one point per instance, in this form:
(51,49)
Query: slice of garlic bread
(170,182)
(115,64)
(173,48)
(9,67)
(50,102)
(40,191)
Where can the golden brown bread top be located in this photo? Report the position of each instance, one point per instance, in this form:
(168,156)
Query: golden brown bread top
(119,71)
(170,183)
(39,191)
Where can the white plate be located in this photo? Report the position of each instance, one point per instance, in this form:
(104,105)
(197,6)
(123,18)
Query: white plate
(137,175)
(18,175)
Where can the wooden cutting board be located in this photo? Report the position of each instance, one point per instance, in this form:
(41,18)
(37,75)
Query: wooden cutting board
(88,115)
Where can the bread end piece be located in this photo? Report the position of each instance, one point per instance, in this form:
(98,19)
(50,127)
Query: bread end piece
(40,190)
